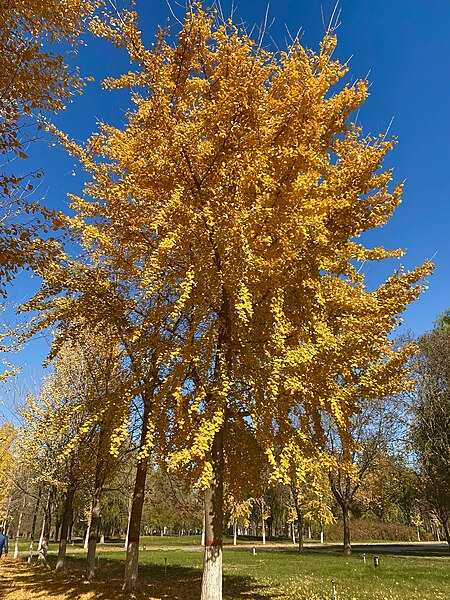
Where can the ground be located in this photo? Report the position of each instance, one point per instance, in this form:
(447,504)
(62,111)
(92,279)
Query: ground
(406,572)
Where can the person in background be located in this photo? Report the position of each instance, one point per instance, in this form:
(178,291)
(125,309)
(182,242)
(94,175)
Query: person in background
(3,543)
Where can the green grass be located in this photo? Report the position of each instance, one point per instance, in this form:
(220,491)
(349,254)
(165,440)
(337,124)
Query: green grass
(285,574)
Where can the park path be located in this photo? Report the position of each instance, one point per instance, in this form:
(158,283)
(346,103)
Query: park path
(22,581)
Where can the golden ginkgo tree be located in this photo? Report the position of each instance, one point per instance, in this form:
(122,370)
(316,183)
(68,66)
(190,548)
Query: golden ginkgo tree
(219,236)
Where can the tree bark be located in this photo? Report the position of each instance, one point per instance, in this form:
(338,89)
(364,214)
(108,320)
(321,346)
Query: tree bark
(65,522)
(33,524)
(100,476)
(46,525)
(212,565)
(19,524)
(93,531)
(132,558)
(346,518)
(300,531)
(263,527)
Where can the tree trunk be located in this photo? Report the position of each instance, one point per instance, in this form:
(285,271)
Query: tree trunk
(346,517)
(235,533)
(19,523)
(446,531)
(130,506)
(212,565)
(6,519)
(93,531)
(86,536)
(134,526)
(46,526)
(65,522)
(263,528)
(300,531)
(33,524)
(58,525)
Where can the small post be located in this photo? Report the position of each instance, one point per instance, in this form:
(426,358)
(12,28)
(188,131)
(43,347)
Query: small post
(254,551)
(333,585)
(364,558)
(165,565)
(144,547)
(376,561)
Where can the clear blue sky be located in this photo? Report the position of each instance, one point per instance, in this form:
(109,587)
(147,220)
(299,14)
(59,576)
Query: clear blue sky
(405,46)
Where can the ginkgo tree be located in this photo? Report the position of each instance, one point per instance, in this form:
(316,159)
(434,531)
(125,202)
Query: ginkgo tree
(222,222)
(36,79)
(8,464)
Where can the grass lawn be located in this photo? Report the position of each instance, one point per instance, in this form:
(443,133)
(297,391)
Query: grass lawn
(175,574)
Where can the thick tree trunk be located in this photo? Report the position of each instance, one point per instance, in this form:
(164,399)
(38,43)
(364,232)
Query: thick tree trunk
(346,518)
(132,559)
(212,566)
(93,531)
(65,522)
(134,526)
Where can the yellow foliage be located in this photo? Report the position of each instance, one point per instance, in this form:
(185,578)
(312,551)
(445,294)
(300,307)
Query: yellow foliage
(8,461)
(220,229)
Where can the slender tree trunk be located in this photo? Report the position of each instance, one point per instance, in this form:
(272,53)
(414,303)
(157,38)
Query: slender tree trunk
(263,528)
(203,530)
(130,506)
(346,518)
(235,533)
(65,522)
(293,532)
(19,524)
(212,566)
(321,534)
(132,558)
(86,536)
(300,531)
(58,525)
(69,537)
(33,524)
(46,526)
(6,519)
(93,531)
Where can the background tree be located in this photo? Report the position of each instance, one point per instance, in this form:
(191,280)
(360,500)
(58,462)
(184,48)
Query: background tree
(8,466)
(372,430)
(36,78)
(431,422)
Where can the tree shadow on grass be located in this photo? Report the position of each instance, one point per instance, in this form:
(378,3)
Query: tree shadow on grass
(177,583)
